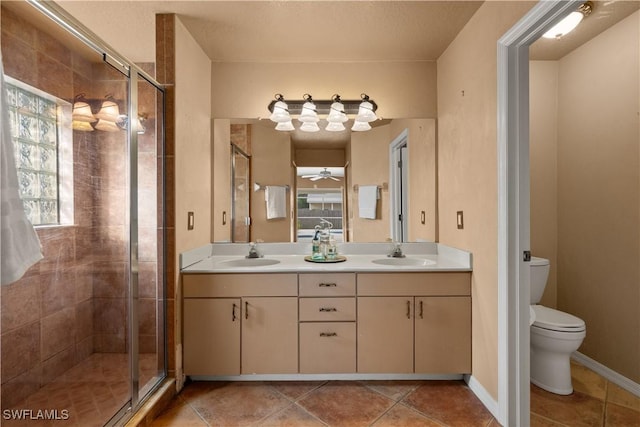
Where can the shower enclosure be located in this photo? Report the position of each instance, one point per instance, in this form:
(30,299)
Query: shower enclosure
(83,331)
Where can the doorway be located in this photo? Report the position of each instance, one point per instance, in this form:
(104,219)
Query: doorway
(319,201)
(399,183)
(513,207)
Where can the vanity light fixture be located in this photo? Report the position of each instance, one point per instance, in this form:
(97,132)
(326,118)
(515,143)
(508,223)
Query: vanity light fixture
(335,109)
(570,22)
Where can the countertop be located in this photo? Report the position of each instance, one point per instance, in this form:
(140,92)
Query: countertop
(423,257)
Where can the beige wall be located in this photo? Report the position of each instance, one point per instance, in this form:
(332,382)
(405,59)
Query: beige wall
(543,87)
(401,89)
(369,166)
(467,165)
(193,141)
(320,157)
(192,154)
(270,165)
(221,200)
(598,193)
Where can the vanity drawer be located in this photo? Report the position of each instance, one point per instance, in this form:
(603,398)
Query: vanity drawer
(327,284)
(418,284)
(327,348)
(327,309)
(239,285)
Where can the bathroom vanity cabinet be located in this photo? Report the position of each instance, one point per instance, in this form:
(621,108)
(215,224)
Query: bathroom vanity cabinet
(327,323)
(414,323)
(240,324)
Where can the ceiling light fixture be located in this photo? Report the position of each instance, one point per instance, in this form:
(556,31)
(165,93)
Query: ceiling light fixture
(570,22)
(336,111)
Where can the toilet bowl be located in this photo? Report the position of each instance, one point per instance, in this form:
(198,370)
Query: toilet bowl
(554,336)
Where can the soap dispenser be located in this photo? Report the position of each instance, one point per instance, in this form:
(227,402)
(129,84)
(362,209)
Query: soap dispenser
(316,253)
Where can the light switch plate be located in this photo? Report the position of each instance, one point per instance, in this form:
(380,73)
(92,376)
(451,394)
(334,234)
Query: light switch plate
(460,220)
(190,220)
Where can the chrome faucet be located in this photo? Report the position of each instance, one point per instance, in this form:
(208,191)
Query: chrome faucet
(396,252)
(253,251)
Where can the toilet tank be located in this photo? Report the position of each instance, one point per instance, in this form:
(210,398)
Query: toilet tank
(538,275)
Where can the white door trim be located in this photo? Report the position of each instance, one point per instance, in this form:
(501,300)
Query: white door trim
(394,183)
(513,207)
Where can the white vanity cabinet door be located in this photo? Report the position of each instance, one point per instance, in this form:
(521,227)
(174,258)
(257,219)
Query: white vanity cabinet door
(385,335)
(269,335)
(212,336)
(443,335)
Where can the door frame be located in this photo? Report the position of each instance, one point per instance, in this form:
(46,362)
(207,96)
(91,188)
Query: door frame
(513,207)
(396,182)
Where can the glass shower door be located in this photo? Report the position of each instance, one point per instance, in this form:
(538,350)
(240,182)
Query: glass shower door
(149,297)
(240,195)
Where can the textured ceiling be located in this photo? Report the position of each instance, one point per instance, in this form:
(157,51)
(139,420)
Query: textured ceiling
(285,31)
(314,31)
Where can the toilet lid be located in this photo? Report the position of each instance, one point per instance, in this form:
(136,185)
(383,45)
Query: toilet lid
(555,320)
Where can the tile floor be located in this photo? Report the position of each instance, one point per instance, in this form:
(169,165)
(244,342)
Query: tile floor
(595,402)
(91,392)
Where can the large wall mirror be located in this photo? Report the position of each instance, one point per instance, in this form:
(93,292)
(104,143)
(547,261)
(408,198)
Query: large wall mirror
(371,186)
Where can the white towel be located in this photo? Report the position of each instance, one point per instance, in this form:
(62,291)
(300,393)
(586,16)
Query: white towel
(367,201)
(276,198)
(20,246)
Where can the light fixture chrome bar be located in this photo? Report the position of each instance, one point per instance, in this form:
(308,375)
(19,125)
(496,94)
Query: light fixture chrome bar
(323,106)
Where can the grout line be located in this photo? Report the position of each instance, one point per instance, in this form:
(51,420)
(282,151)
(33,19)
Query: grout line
(310,414)
(385,412)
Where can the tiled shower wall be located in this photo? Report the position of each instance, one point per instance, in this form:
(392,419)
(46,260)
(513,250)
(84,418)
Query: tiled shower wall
(74,302)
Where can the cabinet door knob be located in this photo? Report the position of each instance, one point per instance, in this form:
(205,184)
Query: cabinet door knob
(421,309)
(233,312)
(246,309)
(328,309)
(327,285)
(408,309)
(328,334)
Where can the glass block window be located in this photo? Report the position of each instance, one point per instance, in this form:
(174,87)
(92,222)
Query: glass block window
(35,128)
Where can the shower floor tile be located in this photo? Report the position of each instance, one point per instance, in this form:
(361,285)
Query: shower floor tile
(87,395)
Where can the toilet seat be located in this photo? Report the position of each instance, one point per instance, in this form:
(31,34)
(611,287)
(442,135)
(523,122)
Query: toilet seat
(555,320)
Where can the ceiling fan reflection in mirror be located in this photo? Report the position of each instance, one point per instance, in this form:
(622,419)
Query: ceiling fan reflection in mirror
(323,174)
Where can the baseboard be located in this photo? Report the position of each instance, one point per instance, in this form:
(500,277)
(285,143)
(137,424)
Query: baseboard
(481,393)
(611,375)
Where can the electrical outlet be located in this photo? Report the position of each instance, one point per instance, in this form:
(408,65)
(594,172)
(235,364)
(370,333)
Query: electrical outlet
(190,220)
(460,220)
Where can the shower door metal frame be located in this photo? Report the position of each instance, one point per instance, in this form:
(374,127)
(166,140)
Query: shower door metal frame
(235,150)
(132,72)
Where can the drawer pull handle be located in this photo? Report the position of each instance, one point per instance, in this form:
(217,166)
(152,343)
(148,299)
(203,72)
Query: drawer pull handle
(328,309)
(328,334)
(421,310)
(408,309)
(327,285)
(233,312)
(246,309)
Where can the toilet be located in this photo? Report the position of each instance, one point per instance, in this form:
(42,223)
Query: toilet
(554,336)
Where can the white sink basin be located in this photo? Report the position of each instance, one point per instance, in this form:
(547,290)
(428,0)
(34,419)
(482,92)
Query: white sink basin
(418,262)
(250,262)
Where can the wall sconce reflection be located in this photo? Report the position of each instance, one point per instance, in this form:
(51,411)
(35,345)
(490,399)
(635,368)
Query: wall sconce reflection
(107,118)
